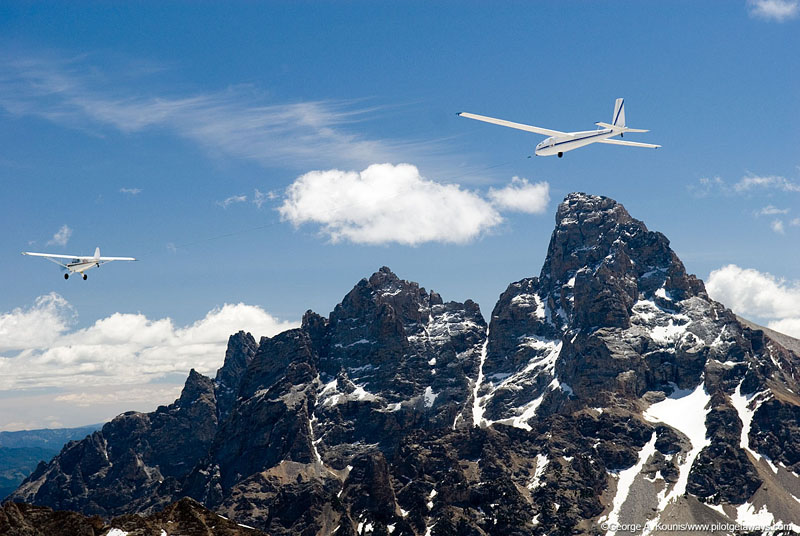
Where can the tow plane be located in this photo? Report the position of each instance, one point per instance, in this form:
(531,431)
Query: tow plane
(77,264)
(559,142)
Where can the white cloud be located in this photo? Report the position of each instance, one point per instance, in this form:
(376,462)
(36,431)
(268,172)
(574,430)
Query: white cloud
(789,326)
(231,200)
(38,348)
(259,197)
(747,184)
(123,394)
(776,182)
(707,186)
(61,237)
(754,294)
(387,203)
(795,222)
(131,191)
(38,326)
(777,10)
(771,210)
(237,121)
(777,226)
(521,196)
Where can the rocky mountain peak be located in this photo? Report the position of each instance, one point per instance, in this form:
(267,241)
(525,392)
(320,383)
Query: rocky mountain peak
(238,355)
(196,388)
(609,388)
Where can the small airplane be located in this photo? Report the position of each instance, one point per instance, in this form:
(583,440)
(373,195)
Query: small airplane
(77,264)
(560,142)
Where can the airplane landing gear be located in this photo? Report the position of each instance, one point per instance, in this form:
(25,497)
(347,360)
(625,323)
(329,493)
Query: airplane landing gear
(560,154)
(84,277)
(66,276)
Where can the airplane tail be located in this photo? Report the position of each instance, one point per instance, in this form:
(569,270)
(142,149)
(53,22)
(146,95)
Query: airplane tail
(617,123)
(618,119)
(97,253)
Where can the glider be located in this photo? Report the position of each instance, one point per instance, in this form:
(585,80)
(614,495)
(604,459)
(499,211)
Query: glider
(559,142)
(78,264)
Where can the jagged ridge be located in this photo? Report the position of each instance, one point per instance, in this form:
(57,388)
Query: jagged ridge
(609,388)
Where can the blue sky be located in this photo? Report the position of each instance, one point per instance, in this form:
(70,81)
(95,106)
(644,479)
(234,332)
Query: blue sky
(173,133)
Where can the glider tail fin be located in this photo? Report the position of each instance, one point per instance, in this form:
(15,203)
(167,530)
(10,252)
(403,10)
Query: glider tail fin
(617,123)
(618,119)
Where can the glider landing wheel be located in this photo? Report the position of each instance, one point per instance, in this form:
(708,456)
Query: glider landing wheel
(560,154)
(84,277)
(66,276)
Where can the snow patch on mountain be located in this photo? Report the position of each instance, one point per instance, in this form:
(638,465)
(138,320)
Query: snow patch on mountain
(746,406)
(624,481)
(684,410)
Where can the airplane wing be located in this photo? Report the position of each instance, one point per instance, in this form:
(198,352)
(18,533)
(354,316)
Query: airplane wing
(51,255)
(109,259)
(629,143)
(511,124)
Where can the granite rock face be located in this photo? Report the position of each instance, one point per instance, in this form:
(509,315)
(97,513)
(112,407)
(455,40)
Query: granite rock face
(610,388)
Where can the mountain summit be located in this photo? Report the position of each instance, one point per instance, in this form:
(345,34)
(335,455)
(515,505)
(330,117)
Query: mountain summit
(609,389)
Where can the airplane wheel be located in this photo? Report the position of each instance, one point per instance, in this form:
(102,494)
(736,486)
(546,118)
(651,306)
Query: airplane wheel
(84,277)
(66,276)
(560,155)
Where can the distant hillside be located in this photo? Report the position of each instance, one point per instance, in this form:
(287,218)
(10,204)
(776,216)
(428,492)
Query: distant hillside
(790,343)
(21,451)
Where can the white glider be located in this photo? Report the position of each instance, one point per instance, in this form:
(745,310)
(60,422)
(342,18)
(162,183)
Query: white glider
(78,264)
(559,142)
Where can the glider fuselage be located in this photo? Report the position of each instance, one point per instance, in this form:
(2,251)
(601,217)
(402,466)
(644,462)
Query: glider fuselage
(572,140)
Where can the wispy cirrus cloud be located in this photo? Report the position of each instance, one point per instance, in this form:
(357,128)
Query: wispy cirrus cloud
(260,198)
(775,10)
(228,201)
(771,210)
(749,184)
(236,121)
(130,191)
(61,237)
(765,182)
(755,187)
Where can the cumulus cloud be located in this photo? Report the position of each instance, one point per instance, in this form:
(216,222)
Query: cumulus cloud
(777,10)
(777,226)
(39,348)
(754,294)
(38,326)
(61,237)
(522,196)
(225,203)
(387,203)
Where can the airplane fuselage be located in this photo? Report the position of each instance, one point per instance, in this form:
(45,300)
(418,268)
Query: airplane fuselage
(81,265)
(556,145)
